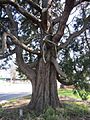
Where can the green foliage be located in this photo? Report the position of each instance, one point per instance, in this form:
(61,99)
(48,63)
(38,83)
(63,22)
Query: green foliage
(50,114)
(77,68)
(68,93)
(75,59)
(74,93)
(82,93)
(76,109)
(67,112)
(1,110)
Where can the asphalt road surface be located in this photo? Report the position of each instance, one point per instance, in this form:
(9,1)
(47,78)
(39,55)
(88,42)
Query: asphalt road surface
(10,90)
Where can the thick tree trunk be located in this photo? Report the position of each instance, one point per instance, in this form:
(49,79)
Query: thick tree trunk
(45,88)
(44,85)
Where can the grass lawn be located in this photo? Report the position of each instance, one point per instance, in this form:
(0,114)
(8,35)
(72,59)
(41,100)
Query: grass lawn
(70,110)
(69,93)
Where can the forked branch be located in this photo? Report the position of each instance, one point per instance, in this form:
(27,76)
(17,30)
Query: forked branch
(25,68)
(75,34)
(69,4)
(21,44)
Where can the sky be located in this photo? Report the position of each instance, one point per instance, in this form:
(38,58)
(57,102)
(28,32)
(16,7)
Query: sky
(7,73)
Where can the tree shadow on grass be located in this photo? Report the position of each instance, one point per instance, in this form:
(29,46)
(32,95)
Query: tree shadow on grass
(70,111)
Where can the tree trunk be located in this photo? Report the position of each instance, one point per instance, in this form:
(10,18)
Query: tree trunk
(44,85)
(44,91)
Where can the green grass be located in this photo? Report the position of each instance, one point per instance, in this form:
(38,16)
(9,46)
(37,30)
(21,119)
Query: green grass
(69,93)
(68,111)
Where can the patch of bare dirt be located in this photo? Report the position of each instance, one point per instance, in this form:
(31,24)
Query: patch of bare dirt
(16,104)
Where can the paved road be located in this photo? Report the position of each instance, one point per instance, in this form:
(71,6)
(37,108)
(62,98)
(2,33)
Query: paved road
(9,90)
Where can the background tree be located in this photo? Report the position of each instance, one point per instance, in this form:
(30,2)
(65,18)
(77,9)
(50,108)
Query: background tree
(39,32)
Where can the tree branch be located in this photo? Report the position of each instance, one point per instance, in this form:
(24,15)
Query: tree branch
(75,34)
(44,3)
(65,82)
(36,6)
(69,4)
(9,13)
(21,44)
(79,2)
(58,69)
(33,65)
(25,68)
(2,56)
(46,15)
(56,20)
(4,44)
(21,10)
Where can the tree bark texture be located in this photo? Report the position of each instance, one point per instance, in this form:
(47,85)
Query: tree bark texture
(44,91)
(44,84)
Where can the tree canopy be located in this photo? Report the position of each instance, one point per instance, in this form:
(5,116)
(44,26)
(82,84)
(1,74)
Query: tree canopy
(48,35)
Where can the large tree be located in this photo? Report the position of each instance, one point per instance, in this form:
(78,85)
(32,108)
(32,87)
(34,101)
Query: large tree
(38,31)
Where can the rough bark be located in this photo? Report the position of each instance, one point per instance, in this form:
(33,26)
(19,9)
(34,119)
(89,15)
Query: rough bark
(44,91)
(30,73)
(69,4)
